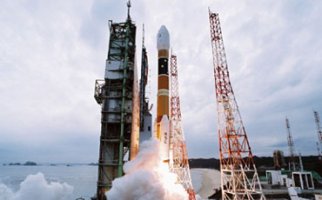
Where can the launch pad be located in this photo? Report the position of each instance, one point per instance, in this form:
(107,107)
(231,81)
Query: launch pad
(125,115)
(125,110)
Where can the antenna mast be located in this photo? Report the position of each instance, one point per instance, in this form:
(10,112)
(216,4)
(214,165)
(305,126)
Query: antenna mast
(290,143)
(319,132)
(128,9)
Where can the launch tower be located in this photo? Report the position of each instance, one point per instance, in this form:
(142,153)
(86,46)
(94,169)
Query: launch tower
(179,163)
(118,96)
(239,177)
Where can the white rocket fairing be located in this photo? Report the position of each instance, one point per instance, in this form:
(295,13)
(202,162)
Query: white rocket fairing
(163,38)
(162,120)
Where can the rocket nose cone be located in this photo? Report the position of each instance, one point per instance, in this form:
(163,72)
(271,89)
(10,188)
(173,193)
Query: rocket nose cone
(163,38)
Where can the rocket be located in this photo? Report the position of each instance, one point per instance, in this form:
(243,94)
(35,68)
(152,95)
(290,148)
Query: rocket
(162,120)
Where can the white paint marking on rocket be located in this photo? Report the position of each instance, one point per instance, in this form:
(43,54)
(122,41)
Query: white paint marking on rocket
(165,138)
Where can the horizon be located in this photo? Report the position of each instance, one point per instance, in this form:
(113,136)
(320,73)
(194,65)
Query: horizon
(95,162)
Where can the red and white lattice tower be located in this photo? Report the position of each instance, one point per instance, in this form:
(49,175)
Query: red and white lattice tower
(239,177)
(318,150)
(179,163)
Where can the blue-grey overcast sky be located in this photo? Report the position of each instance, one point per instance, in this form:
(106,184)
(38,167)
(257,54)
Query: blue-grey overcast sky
(52,52)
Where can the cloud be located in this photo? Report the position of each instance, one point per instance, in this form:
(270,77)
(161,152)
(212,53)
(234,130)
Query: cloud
(47,82)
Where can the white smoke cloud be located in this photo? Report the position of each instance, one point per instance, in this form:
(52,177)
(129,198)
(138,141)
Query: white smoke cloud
(147,177)
(37,187)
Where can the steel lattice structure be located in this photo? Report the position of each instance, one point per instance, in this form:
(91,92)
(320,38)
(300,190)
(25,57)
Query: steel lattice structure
(179,163)
(318,127)
(319,132)
(318,150)
(290,144)
(239,177)
(118,97)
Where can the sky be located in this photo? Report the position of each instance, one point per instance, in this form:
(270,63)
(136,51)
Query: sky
(53,51)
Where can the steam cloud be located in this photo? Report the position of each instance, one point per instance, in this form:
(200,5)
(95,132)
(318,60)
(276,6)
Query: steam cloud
(147,177)
(36,187)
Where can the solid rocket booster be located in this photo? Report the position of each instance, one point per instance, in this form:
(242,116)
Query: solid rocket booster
(162,120)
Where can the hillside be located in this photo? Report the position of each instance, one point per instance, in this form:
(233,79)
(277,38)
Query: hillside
(310,163)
